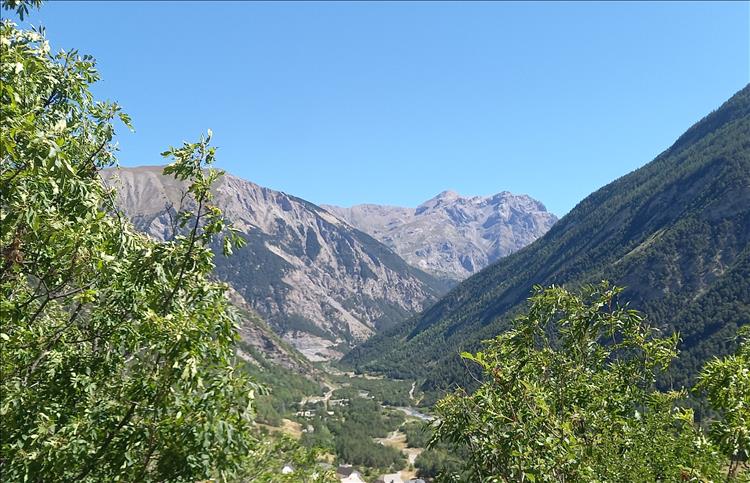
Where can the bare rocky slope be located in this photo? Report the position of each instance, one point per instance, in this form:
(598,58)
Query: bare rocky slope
(259,340)
(320,283)
(453,236)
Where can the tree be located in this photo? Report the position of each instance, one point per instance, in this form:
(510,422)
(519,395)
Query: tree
(21,7)
(726,385)
(569,396)
(118,357)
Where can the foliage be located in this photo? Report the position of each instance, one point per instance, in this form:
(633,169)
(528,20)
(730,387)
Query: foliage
(418,434)
(285,388)
(320,437)
(440,463)
(273,454)
(365,416)
(354,449)
(569,396)
(441,460)
(674,232)
(21,7)
(391,392)
(117,351)
(350,432)
(726,384)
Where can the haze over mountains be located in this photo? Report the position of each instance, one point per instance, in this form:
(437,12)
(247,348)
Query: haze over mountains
(452,236)
(675,232)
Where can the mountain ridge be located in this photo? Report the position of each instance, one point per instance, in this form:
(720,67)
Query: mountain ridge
(450,235)
(675,232)
(320,283)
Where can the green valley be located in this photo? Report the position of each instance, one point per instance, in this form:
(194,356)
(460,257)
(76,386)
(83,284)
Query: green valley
(170,321)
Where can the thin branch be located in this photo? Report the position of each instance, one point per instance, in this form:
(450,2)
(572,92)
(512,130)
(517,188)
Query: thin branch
(108,440)
(90,161)
(193,237)
(53,341)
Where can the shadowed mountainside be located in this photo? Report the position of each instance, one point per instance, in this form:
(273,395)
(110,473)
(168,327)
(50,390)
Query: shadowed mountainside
(675,232)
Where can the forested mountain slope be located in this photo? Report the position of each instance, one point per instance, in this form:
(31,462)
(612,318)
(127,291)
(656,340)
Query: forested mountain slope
(675,232)
(454,236)
(320,283)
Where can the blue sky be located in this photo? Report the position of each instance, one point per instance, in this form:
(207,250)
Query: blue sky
(391,103)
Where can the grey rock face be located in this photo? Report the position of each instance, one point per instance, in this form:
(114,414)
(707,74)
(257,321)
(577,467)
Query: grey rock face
(256,333)
(452,236)
(319,282)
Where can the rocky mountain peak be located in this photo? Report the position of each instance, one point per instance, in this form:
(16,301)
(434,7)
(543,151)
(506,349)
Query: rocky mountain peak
(447,195)
(319,283)
(450,235)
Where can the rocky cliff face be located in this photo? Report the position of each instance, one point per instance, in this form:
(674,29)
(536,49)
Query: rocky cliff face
(452,236)
(258,339)
(320,283)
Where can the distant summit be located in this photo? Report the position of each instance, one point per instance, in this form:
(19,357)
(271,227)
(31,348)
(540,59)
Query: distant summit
(447,195)
(453,236)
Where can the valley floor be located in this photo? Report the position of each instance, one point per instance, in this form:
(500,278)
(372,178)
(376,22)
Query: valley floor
(360,422)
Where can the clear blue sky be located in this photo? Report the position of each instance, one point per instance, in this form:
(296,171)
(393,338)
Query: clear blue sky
(392,103)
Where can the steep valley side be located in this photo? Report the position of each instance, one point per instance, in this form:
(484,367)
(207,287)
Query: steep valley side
(321,284)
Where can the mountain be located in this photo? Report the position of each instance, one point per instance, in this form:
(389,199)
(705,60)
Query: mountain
(257,338)
(675,232)
(452,236)
(320,283)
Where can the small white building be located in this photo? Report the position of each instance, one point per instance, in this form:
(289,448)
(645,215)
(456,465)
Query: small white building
(354,477)
(347,474)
